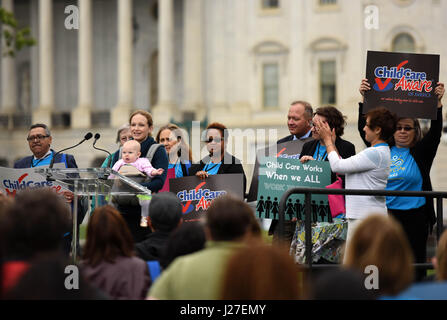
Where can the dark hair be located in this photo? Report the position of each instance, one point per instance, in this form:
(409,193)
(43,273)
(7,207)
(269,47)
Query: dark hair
(165,211)
(308,111)
(35,223)
(41,125)
(334,118)
(340,284)
(108,237)
(384,119)
(189,237)
(261,272)
(46,278)
(229,218)
(220,127)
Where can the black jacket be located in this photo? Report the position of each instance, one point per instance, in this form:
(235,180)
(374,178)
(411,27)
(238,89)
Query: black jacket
(285,139)
(153,247)
(423,152)
(233,166)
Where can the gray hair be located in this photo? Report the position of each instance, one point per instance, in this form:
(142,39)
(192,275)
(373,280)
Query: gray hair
(41,125)
(121,129)
(308,111)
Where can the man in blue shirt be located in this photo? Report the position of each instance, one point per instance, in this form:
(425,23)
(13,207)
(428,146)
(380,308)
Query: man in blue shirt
(39,140)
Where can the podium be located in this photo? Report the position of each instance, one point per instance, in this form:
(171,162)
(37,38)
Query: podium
(91,182)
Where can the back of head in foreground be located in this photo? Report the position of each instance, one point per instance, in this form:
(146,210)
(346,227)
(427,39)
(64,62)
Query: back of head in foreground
(262,272)
(34,224)
(441,258)
(228,219)
(108,237)
(165,212)
(188,238)
(380,241)
(53,277)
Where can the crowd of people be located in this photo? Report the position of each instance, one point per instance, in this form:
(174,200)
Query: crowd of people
(134,250)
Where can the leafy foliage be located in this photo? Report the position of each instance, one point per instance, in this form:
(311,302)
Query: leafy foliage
(14,38)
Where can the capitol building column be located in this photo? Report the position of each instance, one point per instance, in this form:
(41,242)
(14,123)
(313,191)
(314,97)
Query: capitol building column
(46,67)
(81,116)
(125,64)
(165,107)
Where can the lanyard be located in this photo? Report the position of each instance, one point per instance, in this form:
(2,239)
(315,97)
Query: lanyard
(39,160)
(209,168)
(318,153)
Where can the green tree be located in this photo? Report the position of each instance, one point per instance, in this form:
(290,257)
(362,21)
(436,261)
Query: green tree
(14,38)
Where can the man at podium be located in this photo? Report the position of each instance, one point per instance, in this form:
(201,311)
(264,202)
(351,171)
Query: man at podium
(39,141)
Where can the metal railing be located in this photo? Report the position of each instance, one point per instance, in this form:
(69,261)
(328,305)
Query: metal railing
(357,192)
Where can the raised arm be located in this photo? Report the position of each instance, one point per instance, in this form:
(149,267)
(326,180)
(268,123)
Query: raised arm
(364,86)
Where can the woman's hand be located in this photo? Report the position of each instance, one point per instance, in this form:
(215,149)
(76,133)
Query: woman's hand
(202,175)
(69,196)
(326,134)
(364,86)
(306,158)
(439,91)
(157,172)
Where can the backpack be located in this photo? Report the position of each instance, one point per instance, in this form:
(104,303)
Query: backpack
(132,200)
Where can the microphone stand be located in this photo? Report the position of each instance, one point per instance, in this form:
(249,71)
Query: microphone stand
(86,137)
(97,136)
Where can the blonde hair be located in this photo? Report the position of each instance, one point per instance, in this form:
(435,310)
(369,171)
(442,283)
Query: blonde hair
(133,144)
(379,240)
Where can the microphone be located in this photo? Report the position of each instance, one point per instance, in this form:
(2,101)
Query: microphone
(86,137)
(97,136)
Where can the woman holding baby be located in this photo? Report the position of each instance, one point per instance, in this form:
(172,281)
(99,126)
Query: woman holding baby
(141,127)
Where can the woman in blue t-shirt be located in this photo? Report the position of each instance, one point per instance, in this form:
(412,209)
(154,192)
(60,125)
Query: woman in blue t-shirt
(411,159)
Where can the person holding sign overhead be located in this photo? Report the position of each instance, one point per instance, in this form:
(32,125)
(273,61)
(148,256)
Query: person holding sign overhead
(316,149)
(368,169)
(411,159)
(219,161)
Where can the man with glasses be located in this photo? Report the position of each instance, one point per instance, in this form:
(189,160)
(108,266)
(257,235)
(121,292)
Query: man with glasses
(39,141)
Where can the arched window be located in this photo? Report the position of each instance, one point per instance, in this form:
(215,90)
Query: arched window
(403,42)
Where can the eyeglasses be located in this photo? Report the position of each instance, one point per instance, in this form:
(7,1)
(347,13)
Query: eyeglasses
(405,128)
(38,137)
(211,139)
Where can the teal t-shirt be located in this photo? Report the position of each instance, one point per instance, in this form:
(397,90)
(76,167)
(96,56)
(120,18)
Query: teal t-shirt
(320,153)
(212,168)
(406,176)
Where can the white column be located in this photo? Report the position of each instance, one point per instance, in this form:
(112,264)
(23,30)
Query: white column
(46,71)
(8,91)
(219,75)
(125,67)
(193,57)
(81,116)
(165,107)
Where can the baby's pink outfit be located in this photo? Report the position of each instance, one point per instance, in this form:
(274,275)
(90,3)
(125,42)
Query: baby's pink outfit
(142,164)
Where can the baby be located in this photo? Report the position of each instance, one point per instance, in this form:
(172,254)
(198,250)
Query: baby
(131,157)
